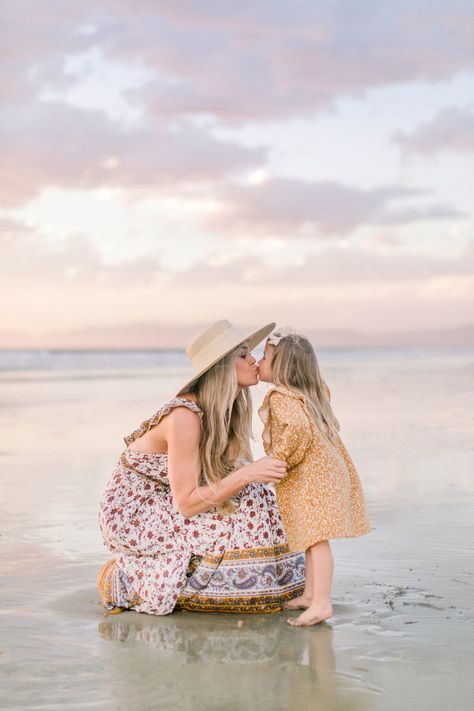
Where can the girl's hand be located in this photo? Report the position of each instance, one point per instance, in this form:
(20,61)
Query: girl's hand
(267,470)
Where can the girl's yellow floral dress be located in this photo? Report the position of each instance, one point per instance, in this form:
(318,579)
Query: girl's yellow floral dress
(322,497)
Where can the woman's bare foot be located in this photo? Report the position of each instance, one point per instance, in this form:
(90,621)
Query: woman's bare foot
(298,603)
(311,616)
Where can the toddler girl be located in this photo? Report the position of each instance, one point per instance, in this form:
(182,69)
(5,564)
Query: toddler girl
(321,498)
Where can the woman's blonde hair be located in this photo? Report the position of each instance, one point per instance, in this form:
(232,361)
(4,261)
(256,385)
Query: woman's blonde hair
(295,366)
(226,425)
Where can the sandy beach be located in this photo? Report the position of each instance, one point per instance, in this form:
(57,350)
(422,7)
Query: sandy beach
(402,636)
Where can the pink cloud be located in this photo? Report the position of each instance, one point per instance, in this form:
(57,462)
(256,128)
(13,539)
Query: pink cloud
(331,266)
(247,60)
(235,61)
(255,61)
(282,206)
(74,261)
(35,38)
(48,144)
(452,129)
(68,296)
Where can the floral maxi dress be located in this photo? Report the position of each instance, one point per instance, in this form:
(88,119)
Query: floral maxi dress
(236,562)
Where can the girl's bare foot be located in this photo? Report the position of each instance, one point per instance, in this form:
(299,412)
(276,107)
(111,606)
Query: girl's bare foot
(298,603)
(311,616)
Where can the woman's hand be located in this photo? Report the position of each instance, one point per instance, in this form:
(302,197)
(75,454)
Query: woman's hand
(267,470)
(184,466)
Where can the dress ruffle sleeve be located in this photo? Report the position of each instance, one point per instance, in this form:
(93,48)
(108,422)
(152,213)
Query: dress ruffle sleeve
(162,412)
(287,428)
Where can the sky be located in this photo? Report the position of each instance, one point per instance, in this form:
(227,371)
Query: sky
(166,164)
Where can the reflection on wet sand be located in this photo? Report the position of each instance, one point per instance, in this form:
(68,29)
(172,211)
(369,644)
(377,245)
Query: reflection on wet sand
(302,663)
(227,641)
(321,686)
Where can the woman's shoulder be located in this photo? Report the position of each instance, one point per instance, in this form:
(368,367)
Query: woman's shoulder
(183,415)
(179,405)
(183,412)
(179,410)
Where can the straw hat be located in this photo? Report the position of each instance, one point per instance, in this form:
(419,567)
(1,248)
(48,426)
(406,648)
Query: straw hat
(206,349)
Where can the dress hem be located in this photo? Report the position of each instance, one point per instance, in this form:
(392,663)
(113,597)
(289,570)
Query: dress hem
(293,549)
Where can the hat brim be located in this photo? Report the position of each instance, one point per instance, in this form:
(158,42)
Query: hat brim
(253,340)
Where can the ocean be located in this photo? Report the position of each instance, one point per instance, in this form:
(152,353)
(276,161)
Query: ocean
(57,360)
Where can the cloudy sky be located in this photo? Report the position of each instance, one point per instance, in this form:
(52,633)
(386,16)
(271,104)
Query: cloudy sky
(168,163)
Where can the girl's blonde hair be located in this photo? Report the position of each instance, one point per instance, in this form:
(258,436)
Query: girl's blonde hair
(295,366)
(226,425)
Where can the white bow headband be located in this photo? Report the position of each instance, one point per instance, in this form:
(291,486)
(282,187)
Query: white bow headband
(279,333)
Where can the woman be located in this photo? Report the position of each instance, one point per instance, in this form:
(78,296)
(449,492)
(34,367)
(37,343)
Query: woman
(189,520)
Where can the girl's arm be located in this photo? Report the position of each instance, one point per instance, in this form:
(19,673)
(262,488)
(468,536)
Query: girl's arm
(290,429)
(183,432)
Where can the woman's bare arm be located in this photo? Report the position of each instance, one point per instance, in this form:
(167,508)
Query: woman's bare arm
(183,432)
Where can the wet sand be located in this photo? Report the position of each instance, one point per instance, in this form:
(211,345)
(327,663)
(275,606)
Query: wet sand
(402,634)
